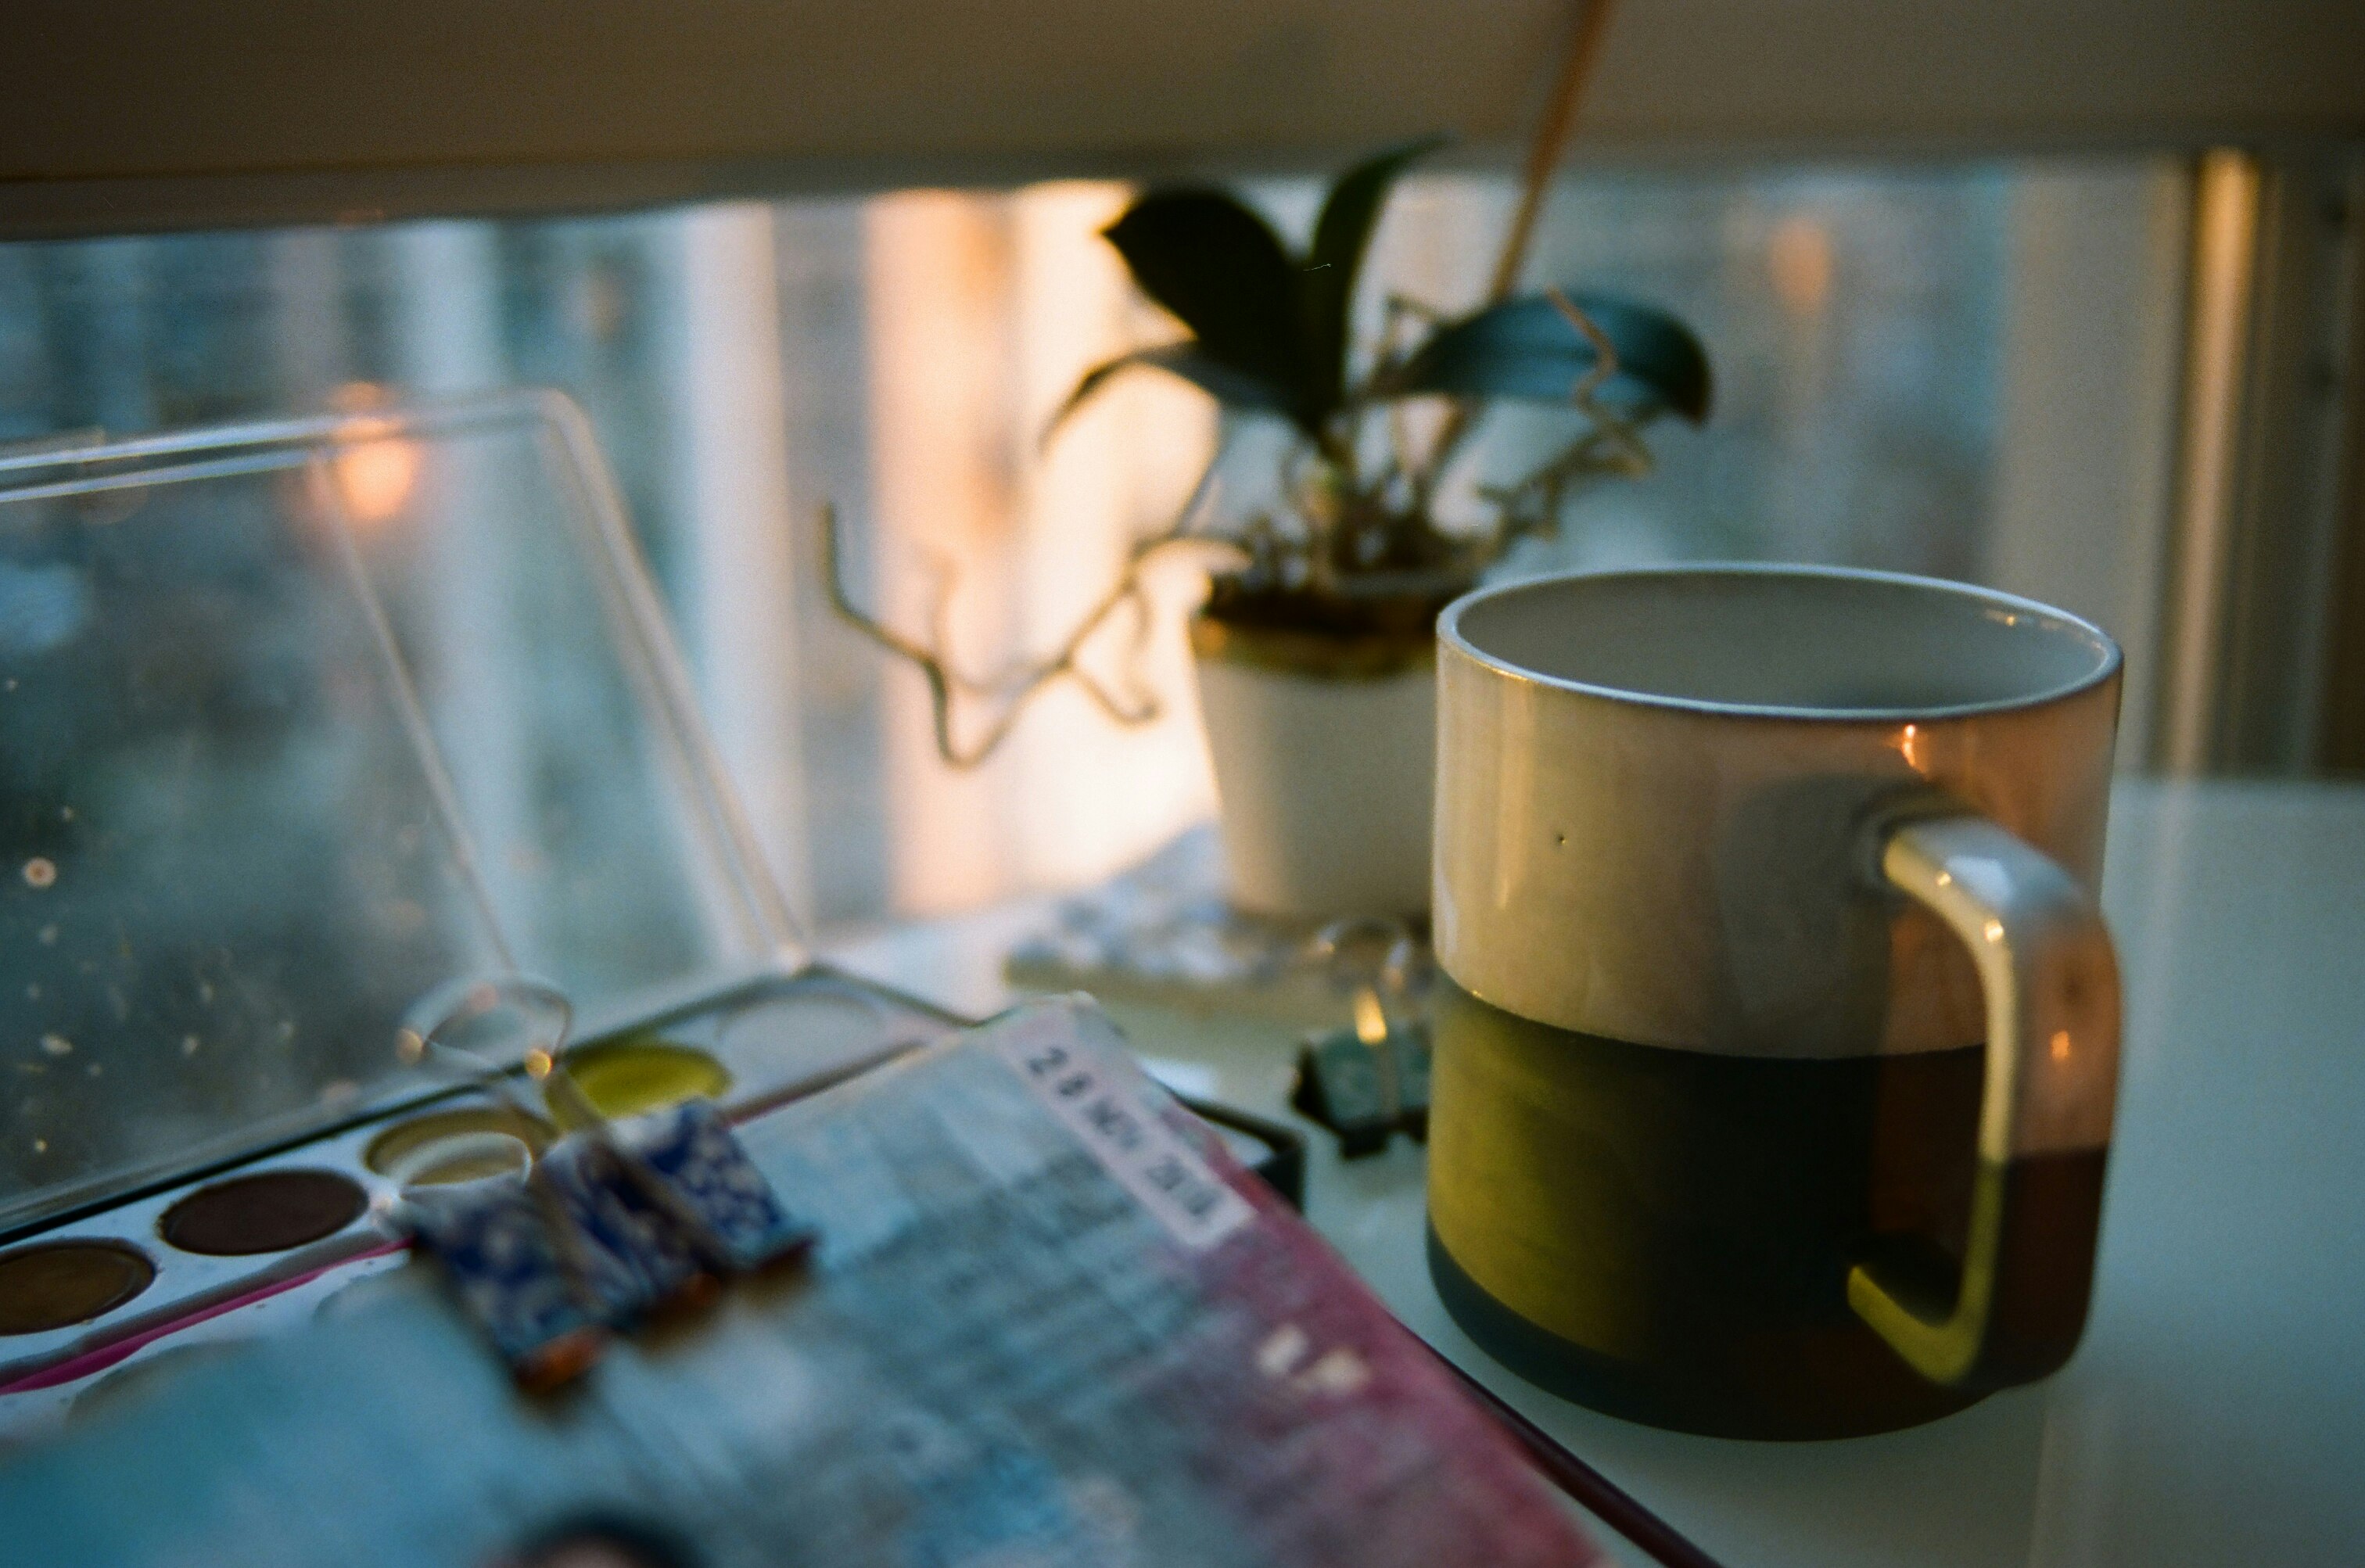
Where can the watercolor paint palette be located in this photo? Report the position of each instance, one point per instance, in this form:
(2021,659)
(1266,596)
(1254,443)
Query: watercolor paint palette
(262,1245)
(303,720)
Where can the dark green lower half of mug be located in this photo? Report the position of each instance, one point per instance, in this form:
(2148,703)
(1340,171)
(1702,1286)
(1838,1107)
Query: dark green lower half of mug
(1666,1234)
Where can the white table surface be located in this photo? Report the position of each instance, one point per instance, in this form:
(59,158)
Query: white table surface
(2215,1412)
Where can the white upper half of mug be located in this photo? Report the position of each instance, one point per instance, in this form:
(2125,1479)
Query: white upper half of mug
(1656,789)
(1782,642)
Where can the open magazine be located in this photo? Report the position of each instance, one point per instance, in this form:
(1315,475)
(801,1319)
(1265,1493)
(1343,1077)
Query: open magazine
(1050,1321)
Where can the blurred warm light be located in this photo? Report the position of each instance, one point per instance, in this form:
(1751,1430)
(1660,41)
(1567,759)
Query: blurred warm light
(1909,747)
(934,264)
(374,478)
(983,311)
(1799,259)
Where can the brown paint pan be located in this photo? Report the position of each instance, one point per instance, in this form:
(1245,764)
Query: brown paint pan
(270,1211)
(53,1285)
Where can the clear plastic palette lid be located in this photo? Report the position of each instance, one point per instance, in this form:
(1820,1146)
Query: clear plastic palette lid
(299,719)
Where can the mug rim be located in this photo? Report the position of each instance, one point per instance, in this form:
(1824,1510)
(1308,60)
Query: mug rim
(1450,636)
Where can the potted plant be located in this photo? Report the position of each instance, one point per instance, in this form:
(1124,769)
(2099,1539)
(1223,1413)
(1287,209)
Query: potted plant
(1315,649)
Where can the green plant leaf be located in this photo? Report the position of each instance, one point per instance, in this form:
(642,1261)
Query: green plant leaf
(1327,285)
(1232,387)
(1220,269)
(1524,348)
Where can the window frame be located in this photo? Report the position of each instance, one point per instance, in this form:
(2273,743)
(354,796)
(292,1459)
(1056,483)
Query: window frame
(128,115)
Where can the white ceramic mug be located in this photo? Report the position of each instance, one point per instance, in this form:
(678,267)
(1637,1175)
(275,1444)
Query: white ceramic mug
(1778,1043)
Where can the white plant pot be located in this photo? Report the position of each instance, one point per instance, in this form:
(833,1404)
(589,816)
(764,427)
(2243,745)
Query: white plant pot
(1326,784)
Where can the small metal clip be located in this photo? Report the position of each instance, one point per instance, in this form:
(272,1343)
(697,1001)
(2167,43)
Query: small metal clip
(1369,1081)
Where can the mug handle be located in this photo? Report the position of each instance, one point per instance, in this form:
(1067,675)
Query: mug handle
(2051,982)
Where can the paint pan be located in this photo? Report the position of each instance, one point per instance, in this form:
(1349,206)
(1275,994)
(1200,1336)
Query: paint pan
(642,1072)
(464,1143)
(270,1211)
(54,1285)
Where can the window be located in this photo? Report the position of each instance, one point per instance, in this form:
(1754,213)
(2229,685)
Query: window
(1914,361)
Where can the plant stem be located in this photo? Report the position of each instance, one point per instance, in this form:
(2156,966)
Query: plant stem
(1543,156)
(1014,687)
(1552,133)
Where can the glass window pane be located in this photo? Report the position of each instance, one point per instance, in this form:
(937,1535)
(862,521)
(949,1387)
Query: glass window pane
(1872,329)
